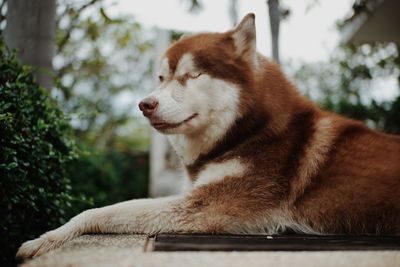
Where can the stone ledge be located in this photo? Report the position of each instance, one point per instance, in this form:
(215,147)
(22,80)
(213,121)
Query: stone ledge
(128,250)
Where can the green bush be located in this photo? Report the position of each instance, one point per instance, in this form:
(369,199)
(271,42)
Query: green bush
(34,150)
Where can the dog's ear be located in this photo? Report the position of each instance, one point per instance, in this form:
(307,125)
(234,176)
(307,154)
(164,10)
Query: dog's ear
(244,36)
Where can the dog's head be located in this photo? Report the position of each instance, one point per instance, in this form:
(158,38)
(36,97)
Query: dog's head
(202,78)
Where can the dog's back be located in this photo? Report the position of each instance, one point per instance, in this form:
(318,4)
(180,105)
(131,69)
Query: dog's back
(357,189)
(333,174)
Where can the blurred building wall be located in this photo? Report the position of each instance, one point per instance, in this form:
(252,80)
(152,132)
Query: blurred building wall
(165,167)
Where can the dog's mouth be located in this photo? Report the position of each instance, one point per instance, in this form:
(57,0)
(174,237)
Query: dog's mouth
(162,125)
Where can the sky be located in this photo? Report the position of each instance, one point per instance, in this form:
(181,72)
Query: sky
(309,34)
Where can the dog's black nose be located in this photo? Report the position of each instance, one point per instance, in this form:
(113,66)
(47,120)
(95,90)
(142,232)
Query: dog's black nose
(148,106)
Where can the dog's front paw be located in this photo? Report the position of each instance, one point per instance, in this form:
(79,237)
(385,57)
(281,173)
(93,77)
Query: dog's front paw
(39,246)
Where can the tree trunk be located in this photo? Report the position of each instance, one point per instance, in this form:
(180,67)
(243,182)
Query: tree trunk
(274,19)
(233,13)
(30,29)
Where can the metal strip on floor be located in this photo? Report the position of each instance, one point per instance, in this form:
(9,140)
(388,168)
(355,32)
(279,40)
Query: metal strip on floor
(292,242)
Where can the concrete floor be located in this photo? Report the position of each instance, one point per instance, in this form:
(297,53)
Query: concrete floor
(128,250)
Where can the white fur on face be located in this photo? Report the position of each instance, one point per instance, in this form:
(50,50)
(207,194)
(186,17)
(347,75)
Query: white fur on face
(212,99)
(217,103)
(185,65)
(164,67)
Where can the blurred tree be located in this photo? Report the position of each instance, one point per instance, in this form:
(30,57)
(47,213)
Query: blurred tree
(274,21)
(346,84)
(100,63)
(103,65)
(93,87)
(30,30)
(233,12)
(276,14)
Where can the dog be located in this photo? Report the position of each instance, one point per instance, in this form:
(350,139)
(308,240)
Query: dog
(260,158)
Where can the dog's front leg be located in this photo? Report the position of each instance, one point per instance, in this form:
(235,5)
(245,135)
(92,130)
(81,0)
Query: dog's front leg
(147,216)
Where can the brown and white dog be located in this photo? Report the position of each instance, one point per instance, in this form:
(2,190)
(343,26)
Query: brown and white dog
(260,158)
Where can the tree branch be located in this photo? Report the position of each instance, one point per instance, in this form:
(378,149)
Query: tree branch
(73,25)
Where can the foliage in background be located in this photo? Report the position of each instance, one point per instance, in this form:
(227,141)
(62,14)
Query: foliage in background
(35,147)
(103,66)
(107,177)
(346,84)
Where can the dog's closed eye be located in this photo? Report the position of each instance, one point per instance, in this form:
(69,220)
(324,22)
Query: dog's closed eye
(194,75)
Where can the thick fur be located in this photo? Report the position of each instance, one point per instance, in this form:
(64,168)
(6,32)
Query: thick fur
(260,158)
